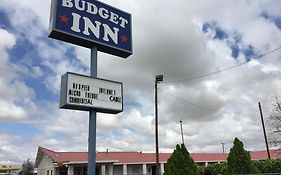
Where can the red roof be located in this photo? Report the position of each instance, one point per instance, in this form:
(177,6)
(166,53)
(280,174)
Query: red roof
(262,155)
(137,157)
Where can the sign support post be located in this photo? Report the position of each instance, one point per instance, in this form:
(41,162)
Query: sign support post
(92,120)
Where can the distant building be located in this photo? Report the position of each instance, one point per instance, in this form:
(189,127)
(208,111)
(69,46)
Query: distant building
(49,162)
(9,170)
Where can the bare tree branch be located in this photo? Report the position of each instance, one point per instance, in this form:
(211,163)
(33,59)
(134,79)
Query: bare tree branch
(275,124)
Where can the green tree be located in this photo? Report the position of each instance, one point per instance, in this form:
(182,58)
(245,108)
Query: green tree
(209,171)
(218,169)
(239,160)
(27,168)
(268,166)
(180,163)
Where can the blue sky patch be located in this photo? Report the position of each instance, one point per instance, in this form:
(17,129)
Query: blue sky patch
(131,105)
(275,19)
(219,32)
(277,22)
(249,52)
(4,24)
(22,129)
(235,51)
(25,55)
(232,40)
(205,27)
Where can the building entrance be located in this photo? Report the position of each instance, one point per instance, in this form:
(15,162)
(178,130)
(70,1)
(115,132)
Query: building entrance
(153,168)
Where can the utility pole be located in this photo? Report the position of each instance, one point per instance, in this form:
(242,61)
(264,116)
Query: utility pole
(222,144)
(264,132)
(158,78)
(181,132)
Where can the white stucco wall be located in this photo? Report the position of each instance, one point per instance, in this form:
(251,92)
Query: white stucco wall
(45,165)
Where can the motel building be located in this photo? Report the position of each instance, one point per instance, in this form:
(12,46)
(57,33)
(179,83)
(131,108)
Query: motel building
(49,162)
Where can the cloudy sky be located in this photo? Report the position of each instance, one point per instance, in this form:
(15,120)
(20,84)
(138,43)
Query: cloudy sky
(182,39)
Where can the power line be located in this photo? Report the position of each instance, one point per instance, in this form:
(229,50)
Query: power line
(222,70)
(201,106)
(190,103)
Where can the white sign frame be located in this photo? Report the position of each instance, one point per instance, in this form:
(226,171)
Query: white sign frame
(85,93)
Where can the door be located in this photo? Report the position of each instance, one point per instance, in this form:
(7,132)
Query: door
(153,168)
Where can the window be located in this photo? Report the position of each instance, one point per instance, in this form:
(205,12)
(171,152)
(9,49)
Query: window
(77,170)
(136,169)
(47,172)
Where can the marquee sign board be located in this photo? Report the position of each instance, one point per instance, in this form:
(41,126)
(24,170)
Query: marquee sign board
(90,22)
(85,93)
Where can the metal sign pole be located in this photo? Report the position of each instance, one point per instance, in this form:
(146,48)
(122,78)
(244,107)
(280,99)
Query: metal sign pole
(92,120)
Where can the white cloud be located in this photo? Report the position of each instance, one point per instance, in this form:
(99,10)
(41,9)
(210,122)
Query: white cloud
(13,92)
(268,34)
(11,154)
(7,39)
(37,71)
(9,111)
(168,39)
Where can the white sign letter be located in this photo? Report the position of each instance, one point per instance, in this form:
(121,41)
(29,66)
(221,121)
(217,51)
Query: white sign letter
(77,5)
(109,32)
(75,24)
(67,3)
(123,22)
(113,17)
(103,13)
(89,25)
(92,8)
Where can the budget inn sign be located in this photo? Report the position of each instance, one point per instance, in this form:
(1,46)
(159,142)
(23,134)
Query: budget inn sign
(90,22)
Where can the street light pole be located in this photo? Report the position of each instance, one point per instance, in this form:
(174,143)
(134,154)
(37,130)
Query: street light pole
(181,132)
(158,78)
(222,144)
